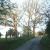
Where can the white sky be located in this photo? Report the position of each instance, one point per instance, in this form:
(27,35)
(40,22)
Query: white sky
(19,2)
(3,29)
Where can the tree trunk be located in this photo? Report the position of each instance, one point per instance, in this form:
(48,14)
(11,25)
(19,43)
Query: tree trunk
(15,24)
(28,26)
(6,37)
(10,36)
(34,30)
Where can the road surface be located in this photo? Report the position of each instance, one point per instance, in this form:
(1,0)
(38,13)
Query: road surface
(33,44)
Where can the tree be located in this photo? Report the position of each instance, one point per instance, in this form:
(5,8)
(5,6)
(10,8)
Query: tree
(15,14)
(48,28)
(27,31)
(0,34)
(5,9)
(32,10)
(45,12)
(45,9)
(12,33)
(9,33)
(15,34)
(6,6)
(40,33)
(9,10)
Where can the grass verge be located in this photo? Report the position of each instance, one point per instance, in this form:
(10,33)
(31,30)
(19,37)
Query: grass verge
(45,41)
(10,44)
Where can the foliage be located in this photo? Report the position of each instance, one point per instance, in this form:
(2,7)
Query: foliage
(45,41)
(32,11)
(11,44)
(6,10)
(40,33)
(5,7)
(48,28)
(10,33)
(0,34)
(27,31)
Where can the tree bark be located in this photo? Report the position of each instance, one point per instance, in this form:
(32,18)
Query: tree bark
(34,29)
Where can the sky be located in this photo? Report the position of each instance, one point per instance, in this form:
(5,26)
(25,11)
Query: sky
(19,2)
(3,29)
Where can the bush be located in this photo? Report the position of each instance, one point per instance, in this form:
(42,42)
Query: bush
(45,41)
(11,44)
(48,29)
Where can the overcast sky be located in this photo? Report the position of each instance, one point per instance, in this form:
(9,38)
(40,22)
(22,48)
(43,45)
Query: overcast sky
(3,29)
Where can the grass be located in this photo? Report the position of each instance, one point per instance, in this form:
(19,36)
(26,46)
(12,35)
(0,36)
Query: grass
(10,44)
(45,41)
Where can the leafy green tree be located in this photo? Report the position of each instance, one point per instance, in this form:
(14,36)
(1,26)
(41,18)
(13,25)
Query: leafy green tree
(12,33)
(48,28)
(9,33)
(9,10)
(6,7)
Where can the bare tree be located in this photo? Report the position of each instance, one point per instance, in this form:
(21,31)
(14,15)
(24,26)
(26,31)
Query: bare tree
(10,10)
(32,10)
(25,31)
(15,14)
(45,9)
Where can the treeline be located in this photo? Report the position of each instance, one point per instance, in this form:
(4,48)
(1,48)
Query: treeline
(12,15)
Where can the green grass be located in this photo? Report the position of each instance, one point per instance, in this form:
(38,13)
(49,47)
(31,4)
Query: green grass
(10,44)
(45,41)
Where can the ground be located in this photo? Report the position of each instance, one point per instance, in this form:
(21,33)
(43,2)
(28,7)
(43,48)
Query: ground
(33,44)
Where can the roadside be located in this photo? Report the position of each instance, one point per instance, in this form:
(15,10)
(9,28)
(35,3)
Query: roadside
(11,44)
